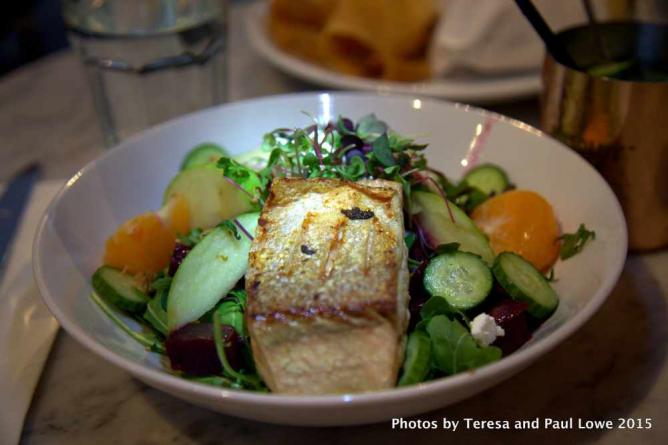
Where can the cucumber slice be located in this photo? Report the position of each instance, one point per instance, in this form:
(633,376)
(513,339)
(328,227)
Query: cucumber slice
(524,282)
(119,289)
(418,357)
(209,272)
(439,227)
(487,178)
(203,154)
(461,278)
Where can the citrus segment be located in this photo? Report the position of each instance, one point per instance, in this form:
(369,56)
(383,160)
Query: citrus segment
(522,222)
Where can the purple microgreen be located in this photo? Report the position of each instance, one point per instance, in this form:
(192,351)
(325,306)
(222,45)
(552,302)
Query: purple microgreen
(440,191)
(420,235)
(243,229)
(239,187)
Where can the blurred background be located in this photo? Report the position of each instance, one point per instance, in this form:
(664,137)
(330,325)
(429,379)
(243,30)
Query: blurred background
(29,29)
(100,74)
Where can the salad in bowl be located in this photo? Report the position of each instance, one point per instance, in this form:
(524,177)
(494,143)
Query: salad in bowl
(337,312)
(334,259)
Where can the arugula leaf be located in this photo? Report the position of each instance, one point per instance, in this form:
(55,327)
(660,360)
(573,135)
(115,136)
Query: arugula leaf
(381,149)
(240,296)
(231,309)
(409,239)
(149,339)
(470,198)
(413,264)
(439,306)
(231,227)
(573,243)
(244,177)
(436,306)
(156,313)
(156,309)
(354,171)
(214,380)
(418,357)
(191,238)
(463,195)
(454,349)
(161,282)
(247,380)
(392,171)
(230,312)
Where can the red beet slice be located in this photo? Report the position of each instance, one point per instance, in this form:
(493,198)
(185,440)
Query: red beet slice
(192,349)
(179,254)
(511,316)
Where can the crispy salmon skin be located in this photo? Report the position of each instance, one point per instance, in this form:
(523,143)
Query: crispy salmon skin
(327,286)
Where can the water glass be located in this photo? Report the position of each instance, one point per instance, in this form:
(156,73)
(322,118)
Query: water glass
(149,60)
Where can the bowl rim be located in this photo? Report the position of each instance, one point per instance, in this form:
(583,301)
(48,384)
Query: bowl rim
(506,366)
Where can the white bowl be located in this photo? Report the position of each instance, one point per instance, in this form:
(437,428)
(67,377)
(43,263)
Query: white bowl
(130,179)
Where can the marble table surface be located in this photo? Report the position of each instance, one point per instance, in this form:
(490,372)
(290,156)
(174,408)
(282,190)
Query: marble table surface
(615,366)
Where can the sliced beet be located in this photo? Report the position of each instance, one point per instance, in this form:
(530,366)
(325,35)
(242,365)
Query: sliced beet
(178,255)
(192,349)
(511,315)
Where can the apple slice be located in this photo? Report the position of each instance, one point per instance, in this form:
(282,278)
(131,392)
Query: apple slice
(211,198)
(441,225)
(209,271)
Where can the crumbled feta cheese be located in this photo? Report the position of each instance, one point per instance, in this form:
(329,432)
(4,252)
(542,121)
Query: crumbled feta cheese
(485,330)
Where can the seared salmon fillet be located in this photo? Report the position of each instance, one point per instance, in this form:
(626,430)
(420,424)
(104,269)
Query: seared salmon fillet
(327,286)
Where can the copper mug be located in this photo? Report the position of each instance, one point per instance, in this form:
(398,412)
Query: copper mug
(620,126)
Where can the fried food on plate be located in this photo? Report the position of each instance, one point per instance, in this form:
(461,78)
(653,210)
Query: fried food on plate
(384,39)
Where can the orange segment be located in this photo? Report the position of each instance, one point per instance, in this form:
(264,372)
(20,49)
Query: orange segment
(523,222)
(143,244)
(178,215)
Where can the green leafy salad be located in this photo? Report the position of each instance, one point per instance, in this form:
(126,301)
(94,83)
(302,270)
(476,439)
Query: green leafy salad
(480,254)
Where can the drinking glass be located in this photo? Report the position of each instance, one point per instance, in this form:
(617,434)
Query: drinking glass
(149,60)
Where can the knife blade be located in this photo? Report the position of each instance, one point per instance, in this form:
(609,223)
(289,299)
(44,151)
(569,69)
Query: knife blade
(12,204)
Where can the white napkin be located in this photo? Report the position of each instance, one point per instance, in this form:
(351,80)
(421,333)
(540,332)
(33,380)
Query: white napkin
(27,329)
(493,37)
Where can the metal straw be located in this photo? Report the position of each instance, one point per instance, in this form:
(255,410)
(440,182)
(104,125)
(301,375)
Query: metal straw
(552,43)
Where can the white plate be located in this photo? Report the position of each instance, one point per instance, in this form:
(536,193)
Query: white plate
(130,179)
(475,89)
